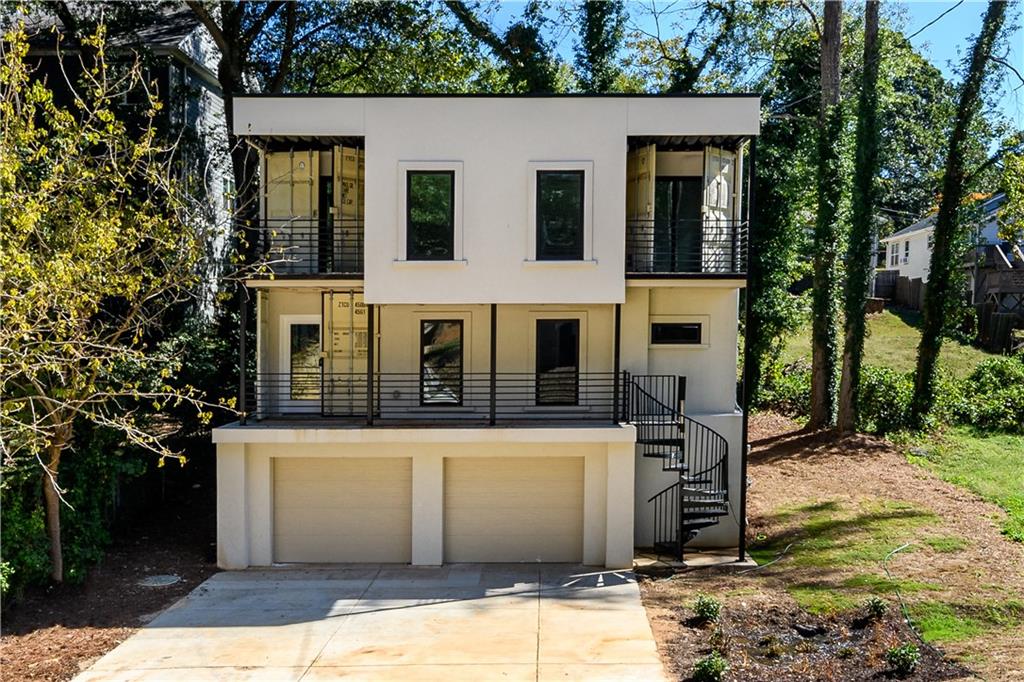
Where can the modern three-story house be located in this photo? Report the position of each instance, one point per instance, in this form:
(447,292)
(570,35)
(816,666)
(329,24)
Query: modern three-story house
(491,329)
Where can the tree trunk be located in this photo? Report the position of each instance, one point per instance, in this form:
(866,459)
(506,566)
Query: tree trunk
(862,233)
(52,498)
(941,297)
(826,230)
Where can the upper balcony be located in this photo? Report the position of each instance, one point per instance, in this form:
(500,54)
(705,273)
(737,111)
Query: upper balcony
(296,247)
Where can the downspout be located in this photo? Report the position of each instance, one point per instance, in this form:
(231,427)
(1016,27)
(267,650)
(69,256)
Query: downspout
(746,397)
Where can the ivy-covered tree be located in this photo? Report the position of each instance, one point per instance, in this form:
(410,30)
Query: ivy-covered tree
(944,271)
(522,51)
(860,251)
(827,227)
(602,30)
(97,242)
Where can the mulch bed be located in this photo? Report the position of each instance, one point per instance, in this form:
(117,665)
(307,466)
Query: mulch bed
(53,634)
(765,639)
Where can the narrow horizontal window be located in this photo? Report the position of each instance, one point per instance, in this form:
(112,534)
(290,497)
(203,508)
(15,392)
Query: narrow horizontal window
(430,215)
(676,333)
(560,215)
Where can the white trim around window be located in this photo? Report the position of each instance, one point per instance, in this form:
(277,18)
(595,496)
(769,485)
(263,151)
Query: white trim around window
(531,211)
(403,168)
(705,331)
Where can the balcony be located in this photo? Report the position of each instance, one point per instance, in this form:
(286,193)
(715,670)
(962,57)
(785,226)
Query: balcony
(705,247)
(470,399)
(309,248)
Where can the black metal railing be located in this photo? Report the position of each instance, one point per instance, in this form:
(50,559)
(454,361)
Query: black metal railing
(699,246)
(289,246)
(697,452)
(466,398)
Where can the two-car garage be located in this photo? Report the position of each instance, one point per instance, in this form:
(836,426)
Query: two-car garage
(338,510)
(425,496)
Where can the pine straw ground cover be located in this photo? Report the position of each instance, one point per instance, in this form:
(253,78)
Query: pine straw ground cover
(830,511)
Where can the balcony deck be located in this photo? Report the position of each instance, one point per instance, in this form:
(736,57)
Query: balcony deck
(404,400)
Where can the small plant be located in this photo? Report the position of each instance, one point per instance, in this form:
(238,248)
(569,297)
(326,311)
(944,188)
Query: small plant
(711,668)
(719,641)
(903,659)
(845,652)
(876,607)
(771,646)
(707,609)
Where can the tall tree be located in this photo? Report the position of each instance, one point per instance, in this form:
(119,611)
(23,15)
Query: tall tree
(860,251)
(522,49)
(91,266)
(827,233)
(941,298)
(602,29)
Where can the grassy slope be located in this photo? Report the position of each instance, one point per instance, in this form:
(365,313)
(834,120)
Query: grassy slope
(990,465)
(892,342)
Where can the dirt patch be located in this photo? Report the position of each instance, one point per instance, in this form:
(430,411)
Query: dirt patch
(830,511)
(52,635)
(765,638)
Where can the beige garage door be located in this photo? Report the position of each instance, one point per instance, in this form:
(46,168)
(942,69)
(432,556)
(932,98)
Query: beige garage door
(513,509)
(341,510)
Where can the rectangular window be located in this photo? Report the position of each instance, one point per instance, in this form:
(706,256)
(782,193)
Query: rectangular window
(304,361)
(906,251)
(441,362)
(676,333)
(560,214)
(430,215)
(894,256)
(558,362)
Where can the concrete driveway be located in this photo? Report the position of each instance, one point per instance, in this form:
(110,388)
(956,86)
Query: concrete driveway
(459,622)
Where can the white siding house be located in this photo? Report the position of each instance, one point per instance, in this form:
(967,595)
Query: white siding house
(491,329)
(909,251)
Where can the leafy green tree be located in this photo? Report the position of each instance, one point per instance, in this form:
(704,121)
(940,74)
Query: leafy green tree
(525,56)
(860,251)
(97,242)
(941,298)
(1011,217)
(602,29)
(827,228)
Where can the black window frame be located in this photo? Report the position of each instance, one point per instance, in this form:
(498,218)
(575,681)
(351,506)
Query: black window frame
(698,342)
(462,361)
(537,373)
(409,173)
(582,213)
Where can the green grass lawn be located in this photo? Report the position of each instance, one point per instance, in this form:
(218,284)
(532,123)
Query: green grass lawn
(990,465)
(892,342)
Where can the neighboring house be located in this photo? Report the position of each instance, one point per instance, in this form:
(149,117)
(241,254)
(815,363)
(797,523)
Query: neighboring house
(908,252)
(483,319)
(180,57)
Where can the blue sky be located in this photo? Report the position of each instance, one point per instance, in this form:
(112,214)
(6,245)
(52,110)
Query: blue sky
(945,42)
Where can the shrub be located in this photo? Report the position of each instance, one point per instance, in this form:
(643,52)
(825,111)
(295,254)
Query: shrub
(706,609)
(903,659)
(992,396)
(711,668)
(885,398)
(90,475)
(876,607)
(786,389)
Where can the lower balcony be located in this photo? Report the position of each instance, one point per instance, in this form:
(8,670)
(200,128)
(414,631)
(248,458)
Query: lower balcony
(471,399)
